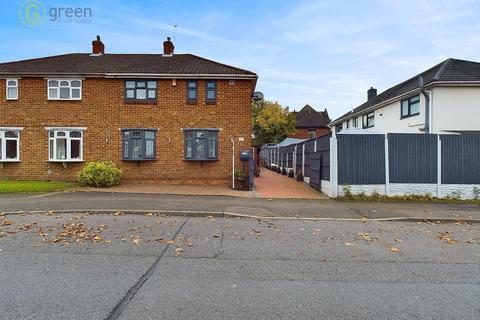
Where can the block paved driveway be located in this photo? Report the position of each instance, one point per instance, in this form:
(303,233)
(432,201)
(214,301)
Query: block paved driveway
(154,267)
(274,185)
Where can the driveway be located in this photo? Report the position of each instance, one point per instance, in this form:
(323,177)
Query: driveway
(235,269)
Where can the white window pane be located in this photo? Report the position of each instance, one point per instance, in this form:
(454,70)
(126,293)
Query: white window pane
(211,85)
(192,94)
(136,149)
(61,152)
(212,135)
(75,134)
(141,94)
(75,149)
(141,84)
(405,108)
(211,95)
(64,84)
(1,148)
(130,94)
(188,149)
(64,93)
(11,149)
(130,84)
(149,135)
(192,84)
(53,93)
(125,149)
(200,134)
(53,83)
(149,148)
(152,84)
(415,108)
(200,148)
(76,93)
(212,149)
(152,94)
(76,83)
(11,134)
(12,93)
(415,99)
(51,155)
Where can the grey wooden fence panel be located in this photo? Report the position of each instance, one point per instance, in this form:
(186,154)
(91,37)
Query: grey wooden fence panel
(412,157)
(323,147)
(361,159)
(460,159)
(309,148)
(299,157)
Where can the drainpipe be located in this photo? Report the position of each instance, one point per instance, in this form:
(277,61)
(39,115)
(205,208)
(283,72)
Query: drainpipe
(233,163)
(427,95)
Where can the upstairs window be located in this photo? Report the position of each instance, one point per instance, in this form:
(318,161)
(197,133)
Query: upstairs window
(311,134)
(192,91)
(201,144)
(139,144)
(211,92)
(339,128)
(12,89)
(410,107)
(64,89)
(65,145)
(368,120)
(355,122)
(9,145)
(140,90)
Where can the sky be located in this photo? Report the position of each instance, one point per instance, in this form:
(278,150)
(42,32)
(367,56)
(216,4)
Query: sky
(322,53)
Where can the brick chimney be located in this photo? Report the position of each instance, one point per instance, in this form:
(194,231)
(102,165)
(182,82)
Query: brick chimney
(98,48)
(168,47)
(371,93)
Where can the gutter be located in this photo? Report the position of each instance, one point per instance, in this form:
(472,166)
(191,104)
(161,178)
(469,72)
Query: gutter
(6,75)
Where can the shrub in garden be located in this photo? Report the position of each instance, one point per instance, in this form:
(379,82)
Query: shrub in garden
(290,173)
(99,174)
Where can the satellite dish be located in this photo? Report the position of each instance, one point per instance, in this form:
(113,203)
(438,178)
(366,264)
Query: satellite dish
(257,96)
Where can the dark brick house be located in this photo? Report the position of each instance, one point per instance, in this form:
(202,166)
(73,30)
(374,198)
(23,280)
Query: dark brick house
(163,117)
(310,123)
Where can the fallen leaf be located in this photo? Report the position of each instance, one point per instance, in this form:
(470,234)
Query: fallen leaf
(399,240)
(118,213)
(393,249)
(178,250)
(6,223)
(165,241)
(136,240)
(349,244)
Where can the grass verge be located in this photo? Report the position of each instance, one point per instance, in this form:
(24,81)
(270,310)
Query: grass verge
(34,186)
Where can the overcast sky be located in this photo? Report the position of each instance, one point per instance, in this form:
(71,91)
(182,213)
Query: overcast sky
(324,53)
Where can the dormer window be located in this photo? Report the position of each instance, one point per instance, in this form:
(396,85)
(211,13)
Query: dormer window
(62,89)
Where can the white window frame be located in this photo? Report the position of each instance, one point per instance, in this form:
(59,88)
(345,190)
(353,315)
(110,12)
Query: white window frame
(7,86)
(57,97)
(3,145)
(69,139)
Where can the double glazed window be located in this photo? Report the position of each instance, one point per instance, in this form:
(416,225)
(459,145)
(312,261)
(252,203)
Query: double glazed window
(339,128)
(65,145)
(311,134)
(12,89)
(410,107)
(368,120)
(211,91)
(201,144)
(64,89)
(140,90)
(9,145)
(138,144)
(192,91)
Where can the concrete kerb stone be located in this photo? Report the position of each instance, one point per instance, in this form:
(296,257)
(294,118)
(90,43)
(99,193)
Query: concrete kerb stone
(226,214)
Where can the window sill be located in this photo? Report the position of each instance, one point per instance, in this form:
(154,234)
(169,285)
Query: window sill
(200,160)
(409,116)
(128,101)
(368,127)
(211,102)
(64,99)
(7,160)
(139,160)
(192,102)
(62,161)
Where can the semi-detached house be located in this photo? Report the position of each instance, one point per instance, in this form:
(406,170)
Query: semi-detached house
(163,117)
(442,99)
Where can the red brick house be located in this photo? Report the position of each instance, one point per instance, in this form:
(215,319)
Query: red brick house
(163,117)
(310,123)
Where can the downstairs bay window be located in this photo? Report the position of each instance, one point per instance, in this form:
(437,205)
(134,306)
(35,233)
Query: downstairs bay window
(9,144)
(201,144)
(65,144)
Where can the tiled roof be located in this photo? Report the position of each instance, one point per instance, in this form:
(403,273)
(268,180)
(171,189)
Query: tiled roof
(86,64)
(310,118)
(448,70)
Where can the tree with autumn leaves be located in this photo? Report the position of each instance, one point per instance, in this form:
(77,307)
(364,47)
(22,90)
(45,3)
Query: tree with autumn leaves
(271,122)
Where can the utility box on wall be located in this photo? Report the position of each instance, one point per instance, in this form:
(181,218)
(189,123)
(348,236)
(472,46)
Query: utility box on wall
(244,155)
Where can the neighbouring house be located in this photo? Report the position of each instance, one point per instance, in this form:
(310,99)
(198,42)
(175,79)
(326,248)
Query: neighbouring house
(442,99)
(310,123)
(162,117)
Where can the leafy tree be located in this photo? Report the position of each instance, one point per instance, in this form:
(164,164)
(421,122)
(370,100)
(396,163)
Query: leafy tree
(271,122)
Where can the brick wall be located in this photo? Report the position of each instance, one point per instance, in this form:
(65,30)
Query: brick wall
(302,133)
(103,112)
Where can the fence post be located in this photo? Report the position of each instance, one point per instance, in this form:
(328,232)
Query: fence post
(303,159)
(387,168)
(294,162)
(439,166)
(333,167)
(286,162)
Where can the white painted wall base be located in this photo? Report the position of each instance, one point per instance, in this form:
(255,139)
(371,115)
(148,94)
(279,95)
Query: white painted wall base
(326,187)
(461,191)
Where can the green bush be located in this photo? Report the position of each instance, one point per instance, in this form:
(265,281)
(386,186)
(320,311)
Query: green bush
(99,174)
